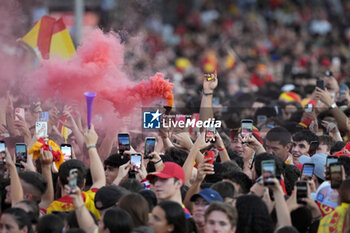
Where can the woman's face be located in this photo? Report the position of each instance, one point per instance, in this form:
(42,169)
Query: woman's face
(9,225)
(158,221)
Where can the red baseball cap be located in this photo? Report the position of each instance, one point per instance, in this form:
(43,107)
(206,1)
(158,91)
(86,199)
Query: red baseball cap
(170,170)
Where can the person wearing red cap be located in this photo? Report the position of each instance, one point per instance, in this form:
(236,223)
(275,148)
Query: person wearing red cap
(168,182)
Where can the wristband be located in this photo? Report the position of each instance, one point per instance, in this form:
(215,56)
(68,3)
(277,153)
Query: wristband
(90,147)
(220,149)
(333,106)
(158,161)
(211,93)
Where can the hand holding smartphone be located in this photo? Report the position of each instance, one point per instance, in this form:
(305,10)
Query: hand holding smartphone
(150,143)
(209,154)
(210,134)
(308,171)
(335,175)
(320,84)
(246,127)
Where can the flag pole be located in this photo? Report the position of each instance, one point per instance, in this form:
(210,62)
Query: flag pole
(79,14)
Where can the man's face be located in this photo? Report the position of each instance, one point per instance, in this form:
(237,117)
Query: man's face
(166,189)
(298,149)
(288,110)
(274,147)
(198,210)
(236,146)
(322,149)
(111,173)
(218,222)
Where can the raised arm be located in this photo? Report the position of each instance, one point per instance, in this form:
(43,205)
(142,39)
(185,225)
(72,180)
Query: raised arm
(15,183)
(84,218)
(210,82)
(46,163)
(97,171)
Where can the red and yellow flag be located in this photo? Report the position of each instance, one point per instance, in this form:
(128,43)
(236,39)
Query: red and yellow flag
(49,38)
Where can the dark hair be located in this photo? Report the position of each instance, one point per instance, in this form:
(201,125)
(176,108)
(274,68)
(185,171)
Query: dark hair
(279,163)
(63,172)
(176,155)
(291,175)
(36,180)
(244,182)
(124,221)
(34,211)
(345,161)
(337,147)
(50,223)
(327,140)
(75,230)
(150,197)
(301,219)
(116,160)
(225,189)
(174,215)
(221,169)
(72,220)
(21,217)
(306,135)
(143,229)
(132,185)
(253,216)
(136,205)
(279,134)
(226,208)
(287,229)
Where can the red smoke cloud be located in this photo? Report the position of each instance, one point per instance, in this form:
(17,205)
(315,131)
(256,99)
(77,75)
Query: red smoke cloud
(97,67)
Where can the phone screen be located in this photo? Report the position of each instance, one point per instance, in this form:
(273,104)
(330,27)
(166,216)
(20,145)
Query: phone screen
(135,161)
(308,171)
(268,171)
(308,108)
(247,127)
(21,153)
(66,151)
(41,129)
(210,134)
(336,175)
(44,116)
(124,141)
(73,176)
(320,84)
(332,159)
(301,191)
(261,119)
(149,145)
(2,152)
(342,88)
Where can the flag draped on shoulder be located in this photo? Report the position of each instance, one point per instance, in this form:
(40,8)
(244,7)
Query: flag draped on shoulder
(49,38)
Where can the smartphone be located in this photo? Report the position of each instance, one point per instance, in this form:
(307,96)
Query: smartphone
(210,134)
(342,88)
(246,127)
(21,153)
(135,160)
(209,154)
(335,175)
(2,152)
(320,84)
(66,151)
(20,112)
(261,119)
(330,159)
(41,129)
(308,171)
(216,101)
(268,171)
(150,143)
(44,116)
(124,141)
(73,177)
(309,107)
(301,191)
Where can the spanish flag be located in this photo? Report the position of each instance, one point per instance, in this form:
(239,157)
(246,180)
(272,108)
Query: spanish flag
(49,38)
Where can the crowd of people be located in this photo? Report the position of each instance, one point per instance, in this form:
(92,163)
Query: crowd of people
(273,73)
